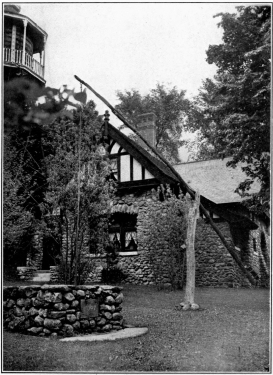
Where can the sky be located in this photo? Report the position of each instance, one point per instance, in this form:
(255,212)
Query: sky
(120,46)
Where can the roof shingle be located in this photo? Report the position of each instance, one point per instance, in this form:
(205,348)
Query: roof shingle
(215,180)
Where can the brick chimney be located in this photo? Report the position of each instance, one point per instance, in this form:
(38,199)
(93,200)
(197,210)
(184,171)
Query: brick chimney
(146,127)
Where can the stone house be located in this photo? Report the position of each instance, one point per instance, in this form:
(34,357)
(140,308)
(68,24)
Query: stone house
(142,179)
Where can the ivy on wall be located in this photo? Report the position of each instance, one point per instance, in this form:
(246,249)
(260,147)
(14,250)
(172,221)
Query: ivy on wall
(166,239)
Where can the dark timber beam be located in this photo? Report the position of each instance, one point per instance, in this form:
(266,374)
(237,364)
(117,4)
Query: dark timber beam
(180,179)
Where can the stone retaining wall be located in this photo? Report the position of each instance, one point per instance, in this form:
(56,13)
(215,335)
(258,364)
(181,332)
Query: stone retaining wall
(26,273)
(62,310)
(54,274)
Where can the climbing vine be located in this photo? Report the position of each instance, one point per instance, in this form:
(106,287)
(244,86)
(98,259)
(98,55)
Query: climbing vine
(166,240)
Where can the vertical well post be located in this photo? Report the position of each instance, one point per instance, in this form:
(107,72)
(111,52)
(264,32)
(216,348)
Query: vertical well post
(190,252)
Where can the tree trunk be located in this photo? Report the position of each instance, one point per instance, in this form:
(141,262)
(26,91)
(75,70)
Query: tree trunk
(78,205)
(190,253)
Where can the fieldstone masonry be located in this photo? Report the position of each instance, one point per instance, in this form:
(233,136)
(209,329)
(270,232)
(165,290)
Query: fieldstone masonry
(26,273)
(214,265)
(54,274)
(62,310)
(137,267)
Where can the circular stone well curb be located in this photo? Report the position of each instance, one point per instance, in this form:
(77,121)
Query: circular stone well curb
(111,336)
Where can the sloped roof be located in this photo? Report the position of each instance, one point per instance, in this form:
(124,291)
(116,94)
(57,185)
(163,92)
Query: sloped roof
(214,180)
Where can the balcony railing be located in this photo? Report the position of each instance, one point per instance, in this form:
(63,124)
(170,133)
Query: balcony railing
(16,57)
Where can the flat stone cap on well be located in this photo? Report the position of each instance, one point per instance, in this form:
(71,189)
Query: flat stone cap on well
(65,287)
(111,336)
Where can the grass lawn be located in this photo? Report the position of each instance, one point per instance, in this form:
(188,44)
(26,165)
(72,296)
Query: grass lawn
(231,334)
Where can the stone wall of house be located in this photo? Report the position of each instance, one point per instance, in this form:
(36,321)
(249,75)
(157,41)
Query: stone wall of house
(214,265)
(62,310)
(138,269)
(258,255)
(137,265)
(253,247)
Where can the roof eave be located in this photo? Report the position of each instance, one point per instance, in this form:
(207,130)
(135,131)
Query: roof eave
(22,17)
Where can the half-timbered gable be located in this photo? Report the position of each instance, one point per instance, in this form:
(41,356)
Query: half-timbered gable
(132,164)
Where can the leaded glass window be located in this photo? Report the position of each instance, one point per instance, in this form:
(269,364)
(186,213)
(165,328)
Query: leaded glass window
(122,231)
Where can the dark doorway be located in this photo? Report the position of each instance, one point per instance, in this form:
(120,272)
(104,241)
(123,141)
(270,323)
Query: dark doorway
(51,250)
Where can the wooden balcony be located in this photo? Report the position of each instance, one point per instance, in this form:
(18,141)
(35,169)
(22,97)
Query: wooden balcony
(16,57)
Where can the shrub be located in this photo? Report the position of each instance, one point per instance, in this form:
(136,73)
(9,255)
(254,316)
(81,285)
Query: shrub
(113,275)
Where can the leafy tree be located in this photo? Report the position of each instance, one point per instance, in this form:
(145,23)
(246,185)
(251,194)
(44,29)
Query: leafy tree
(232,112)
(170,108)
(79,189)
(34,155)
(23,119)
(18,223)
(25,139)
(23,170)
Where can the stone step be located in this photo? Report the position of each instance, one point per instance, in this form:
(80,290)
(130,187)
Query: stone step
(41,276)
(43,271)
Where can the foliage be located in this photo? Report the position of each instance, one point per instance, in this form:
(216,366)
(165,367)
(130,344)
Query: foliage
(232,112)
(26,107)
(170,108)
(79,188)
(112,273)
(166,239)
(85,269)
(41,167)
(25,102)
(17,222)
(24,139)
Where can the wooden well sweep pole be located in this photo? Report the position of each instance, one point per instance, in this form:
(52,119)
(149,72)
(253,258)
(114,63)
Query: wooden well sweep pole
(180,179)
